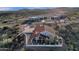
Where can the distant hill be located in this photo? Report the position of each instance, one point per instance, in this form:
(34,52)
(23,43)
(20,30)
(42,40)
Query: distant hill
(24,12)
(32,12)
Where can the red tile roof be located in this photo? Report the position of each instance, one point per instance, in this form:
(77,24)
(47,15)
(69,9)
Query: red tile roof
(38,29)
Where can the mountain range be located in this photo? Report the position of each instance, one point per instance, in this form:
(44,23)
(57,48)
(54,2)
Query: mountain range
(31,11)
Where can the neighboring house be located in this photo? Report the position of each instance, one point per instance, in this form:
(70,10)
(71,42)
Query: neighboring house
(59,19)
(37,18)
